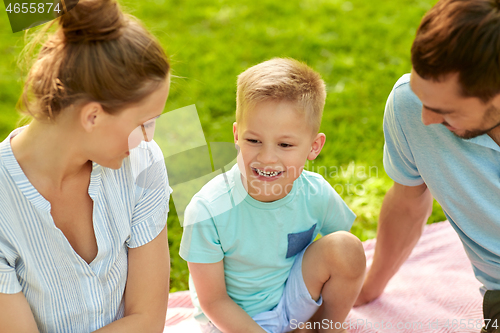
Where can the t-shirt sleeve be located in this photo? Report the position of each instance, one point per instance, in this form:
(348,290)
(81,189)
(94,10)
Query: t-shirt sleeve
(9,283)
(200,240)
(152,194)
(399,163)
(338,215)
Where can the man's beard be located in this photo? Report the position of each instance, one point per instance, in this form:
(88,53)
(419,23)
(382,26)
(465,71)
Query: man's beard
(474,133)
(492,112)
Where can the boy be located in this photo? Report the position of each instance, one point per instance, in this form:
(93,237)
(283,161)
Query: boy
(248,233)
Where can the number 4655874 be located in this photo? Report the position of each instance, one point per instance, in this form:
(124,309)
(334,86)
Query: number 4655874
(32,8)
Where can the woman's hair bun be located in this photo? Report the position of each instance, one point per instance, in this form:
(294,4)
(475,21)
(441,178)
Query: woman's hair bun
(91,20)
(98,54)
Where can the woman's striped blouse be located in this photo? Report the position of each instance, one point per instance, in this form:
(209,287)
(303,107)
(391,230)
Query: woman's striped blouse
(64,292)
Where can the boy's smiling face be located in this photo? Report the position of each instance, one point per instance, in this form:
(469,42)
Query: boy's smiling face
(275,141)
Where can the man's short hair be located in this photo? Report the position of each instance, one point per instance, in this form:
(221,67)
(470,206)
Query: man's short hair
(282,79)
(461,36)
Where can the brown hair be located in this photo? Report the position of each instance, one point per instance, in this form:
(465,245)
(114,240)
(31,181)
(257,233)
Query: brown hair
(98,54)
(282,79)
(461,36)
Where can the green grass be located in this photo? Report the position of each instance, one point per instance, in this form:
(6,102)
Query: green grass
(360,47)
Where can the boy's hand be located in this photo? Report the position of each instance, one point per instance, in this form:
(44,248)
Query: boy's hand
(210,286)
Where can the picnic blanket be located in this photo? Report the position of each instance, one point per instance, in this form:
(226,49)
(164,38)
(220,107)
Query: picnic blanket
(434,291)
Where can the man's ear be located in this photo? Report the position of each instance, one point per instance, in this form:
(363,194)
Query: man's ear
(495,101)
(90,115)
(316,146)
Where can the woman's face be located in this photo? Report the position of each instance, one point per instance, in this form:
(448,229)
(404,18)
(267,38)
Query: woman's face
(117,134)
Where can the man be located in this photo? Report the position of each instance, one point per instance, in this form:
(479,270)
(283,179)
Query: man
(442,131)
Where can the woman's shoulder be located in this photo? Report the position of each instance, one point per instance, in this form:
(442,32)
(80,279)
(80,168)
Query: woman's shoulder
(146,159)
(6,178)
(5,184)
(145,155)
(146,162)
(8,194)
(145,169)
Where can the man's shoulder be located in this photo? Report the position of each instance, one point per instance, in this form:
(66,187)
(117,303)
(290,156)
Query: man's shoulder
(403,81)
(403,104)
(403,94)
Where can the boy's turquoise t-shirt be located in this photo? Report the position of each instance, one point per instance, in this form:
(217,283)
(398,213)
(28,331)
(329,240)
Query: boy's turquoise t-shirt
(258,240)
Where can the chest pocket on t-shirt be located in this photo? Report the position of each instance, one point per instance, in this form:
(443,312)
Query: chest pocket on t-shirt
(298,241)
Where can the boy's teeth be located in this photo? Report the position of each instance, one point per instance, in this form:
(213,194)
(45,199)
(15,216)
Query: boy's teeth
(267,174)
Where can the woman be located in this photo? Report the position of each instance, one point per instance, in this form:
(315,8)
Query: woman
(83,243)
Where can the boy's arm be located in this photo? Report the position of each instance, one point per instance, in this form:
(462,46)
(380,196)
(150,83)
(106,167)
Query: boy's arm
(210,286)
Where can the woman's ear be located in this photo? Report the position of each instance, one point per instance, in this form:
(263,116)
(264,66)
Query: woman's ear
(90,115)
(316,146)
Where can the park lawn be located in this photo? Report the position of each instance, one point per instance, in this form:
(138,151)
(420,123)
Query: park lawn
(360,48)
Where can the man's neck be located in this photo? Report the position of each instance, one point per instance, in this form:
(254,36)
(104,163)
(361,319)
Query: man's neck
(495,134)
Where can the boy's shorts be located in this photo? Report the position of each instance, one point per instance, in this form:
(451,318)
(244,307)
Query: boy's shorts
(295,307)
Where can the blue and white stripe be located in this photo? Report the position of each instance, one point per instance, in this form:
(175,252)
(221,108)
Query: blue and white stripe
(64,292)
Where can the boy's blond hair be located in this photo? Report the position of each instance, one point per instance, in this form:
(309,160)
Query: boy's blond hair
(282,79)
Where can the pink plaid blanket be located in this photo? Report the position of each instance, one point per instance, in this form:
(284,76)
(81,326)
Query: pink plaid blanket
(434,291)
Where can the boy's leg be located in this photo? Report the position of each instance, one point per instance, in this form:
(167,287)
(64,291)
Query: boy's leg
(334,267)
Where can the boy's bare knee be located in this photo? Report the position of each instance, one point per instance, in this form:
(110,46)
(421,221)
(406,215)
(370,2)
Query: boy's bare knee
(345,253)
